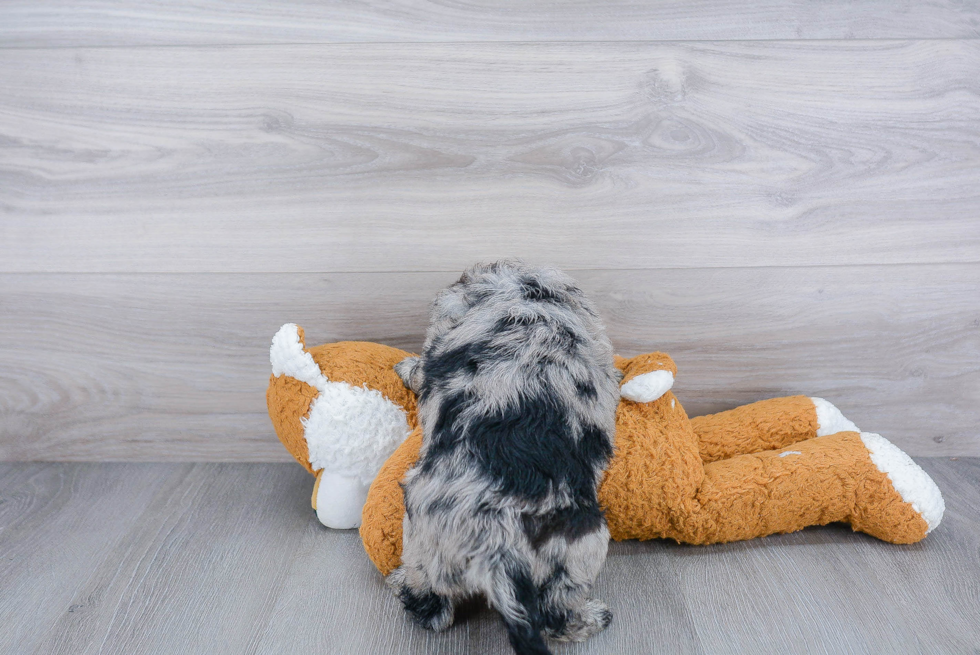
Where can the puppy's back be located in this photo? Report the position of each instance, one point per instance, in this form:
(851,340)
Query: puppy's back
(518,367)
(517,398)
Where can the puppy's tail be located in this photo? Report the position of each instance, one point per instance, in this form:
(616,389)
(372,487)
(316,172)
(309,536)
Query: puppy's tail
(514,596)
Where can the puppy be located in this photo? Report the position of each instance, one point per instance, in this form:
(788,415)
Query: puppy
(517,396)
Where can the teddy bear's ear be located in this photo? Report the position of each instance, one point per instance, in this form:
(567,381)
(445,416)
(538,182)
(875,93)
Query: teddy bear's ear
(646,377)
(288,356)
(647,387)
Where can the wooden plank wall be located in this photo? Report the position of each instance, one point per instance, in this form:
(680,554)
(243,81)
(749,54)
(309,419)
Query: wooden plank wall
(784,197)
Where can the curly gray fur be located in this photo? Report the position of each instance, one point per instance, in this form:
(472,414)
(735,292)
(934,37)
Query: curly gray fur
(517,400)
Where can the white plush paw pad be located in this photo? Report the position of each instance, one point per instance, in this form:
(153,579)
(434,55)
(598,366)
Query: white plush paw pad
(912,483)
(647,387)
(830,420)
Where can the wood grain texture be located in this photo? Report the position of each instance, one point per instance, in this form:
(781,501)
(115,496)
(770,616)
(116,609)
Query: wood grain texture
(198,573)
(123,22)
(763,596)
(56,523)
(229,559)
(174,367)
(391,157)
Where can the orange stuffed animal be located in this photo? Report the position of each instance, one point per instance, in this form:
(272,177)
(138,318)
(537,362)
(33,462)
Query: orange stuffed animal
(773,466)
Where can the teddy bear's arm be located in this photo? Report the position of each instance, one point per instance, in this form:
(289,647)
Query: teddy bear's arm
(766,425)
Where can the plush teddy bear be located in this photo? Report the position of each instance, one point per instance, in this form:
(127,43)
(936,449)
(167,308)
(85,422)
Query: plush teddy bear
(770,467)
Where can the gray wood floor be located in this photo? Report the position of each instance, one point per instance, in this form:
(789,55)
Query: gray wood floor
(228,558)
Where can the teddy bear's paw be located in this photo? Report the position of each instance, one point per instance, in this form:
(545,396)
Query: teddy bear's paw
(830,420)
(912,483)
(339,500)
(592,617)
(647,387)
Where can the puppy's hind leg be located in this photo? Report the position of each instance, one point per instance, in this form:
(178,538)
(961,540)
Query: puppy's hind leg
(513,594)
(569,614)
(427,608)
(578,623)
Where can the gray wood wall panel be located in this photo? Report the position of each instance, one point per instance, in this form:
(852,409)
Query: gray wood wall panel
(783,196)
(123,22)
(209,558)
(174,366)
(430,156)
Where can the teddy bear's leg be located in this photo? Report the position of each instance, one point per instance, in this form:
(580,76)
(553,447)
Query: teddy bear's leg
(861,479)
(766,425)
(338,499)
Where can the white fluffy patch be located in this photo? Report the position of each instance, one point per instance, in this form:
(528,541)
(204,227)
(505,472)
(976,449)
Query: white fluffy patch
(352,430)
(340,500)
(647,387)
(912,483)
(830,420)
(288,357)
(790,452)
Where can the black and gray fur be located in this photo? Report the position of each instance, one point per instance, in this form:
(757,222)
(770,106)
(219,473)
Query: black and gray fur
(517,398)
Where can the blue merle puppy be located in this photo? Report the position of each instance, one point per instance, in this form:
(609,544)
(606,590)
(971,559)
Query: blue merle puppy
(517,396)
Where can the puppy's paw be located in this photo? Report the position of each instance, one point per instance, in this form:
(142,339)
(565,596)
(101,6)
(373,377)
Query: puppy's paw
(430,611)
(604,614)
(594,616)
(426,608)
(409,370)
